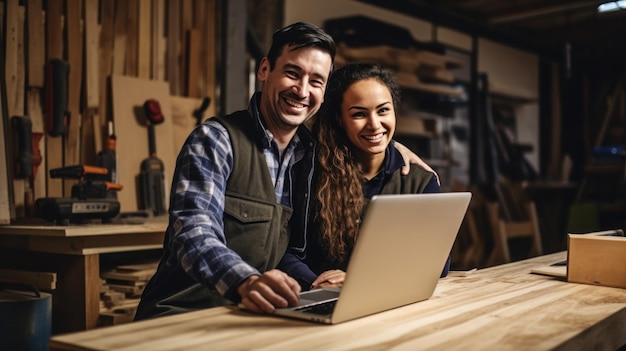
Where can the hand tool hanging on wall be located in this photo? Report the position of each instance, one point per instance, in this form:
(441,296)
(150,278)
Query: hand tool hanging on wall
(107,157)
(24,157)
(57,115)
(152,176)
(199,113)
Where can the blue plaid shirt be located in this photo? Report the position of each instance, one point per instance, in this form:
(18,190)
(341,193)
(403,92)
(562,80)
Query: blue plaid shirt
(195,236)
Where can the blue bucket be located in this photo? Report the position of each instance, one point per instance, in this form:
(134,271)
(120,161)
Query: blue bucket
(25,318)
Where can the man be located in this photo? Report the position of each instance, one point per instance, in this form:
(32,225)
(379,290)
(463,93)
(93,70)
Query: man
(239,182)
(226,230)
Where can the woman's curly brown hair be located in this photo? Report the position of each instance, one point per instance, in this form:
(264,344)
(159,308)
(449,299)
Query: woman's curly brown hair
(339,177)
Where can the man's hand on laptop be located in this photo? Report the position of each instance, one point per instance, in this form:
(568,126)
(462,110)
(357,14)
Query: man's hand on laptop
(329,279)
(273,289)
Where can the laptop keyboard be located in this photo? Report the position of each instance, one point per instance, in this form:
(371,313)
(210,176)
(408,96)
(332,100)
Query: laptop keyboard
(322,309)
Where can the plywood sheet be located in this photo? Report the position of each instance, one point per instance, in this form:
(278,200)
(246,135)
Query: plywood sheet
(183,119)
(128,96)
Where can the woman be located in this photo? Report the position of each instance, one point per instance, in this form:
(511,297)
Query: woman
(356,160)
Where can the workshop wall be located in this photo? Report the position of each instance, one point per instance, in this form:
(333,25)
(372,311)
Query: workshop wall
(109,58)
(513,73)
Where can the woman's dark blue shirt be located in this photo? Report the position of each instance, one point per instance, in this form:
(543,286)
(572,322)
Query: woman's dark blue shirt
(306,266)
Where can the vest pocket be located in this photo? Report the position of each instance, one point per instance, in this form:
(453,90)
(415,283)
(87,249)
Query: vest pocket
(253,230)
(247,211)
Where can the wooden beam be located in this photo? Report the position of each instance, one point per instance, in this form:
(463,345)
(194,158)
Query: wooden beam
(83,271)
(75,59)
(132,30)
(234,57)
(12,59)
(7,210)
(144,59)
(22,187)
(90,139)
(516,15)
(107,13)
(36,62)
(173,47)
(208,51)
(186,24)
(192,65)
(54,45)
(119,41)
(92,33)
(35,32)
(158,46)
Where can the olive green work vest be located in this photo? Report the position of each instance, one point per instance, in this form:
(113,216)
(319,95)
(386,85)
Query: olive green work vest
(255,225)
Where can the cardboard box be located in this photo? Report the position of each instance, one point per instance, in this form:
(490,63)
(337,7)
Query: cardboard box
(597,258)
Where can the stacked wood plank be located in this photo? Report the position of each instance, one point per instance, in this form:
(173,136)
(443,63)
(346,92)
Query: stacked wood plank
(46,281)
(416,69)
(121,291)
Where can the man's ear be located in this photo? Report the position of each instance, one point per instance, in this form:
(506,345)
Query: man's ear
(264,70)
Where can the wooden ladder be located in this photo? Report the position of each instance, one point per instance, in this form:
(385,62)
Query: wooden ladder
(513,216)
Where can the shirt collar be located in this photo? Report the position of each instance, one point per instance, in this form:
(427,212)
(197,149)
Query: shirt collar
(254,110)
(393,159)
(302,134)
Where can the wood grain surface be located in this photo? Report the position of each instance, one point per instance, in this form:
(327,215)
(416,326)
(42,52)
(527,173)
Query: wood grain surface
(129,95)
(500,308)
(84,230)
(55,47)
(82,240)
(74,46)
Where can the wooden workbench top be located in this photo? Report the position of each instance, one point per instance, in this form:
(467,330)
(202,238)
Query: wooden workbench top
(78,230)
(499,308)
(88,239)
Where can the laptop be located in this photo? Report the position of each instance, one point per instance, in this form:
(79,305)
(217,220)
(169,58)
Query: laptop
(397,260)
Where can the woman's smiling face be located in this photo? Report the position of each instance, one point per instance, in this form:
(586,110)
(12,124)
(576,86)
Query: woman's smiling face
(368,116)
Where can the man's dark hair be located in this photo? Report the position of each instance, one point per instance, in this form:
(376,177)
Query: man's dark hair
(300,35)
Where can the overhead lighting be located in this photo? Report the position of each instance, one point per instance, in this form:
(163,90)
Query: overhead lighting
(612,6)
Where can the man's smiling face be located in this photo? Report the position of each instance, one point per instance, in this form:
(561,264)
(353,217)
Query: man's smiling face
(294,90)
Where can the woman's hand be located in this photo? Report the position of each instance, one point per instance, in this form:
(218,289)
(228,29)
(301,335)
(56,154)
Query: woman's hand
(329,279)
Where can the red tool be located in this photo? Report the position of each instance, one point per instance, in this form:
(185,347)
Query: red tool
(152,176)
(37,158)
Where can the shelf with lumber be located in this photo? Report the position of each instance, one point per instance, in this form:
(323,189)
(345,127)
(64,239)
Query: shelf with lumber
(396,57)
(416,126)
(121,290)
(504,94)
(416,69)
(411,80)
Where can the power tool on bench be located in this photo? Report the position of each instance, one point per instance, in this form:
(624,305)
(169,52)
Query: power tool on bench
(91,197)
